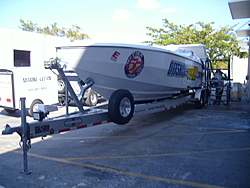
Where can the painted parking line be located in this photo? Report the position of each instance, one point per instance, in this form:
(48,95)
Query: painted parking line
(160,155)
(181,182)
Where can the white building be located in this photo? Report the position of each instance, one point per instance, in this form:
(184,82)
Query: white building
(22,48)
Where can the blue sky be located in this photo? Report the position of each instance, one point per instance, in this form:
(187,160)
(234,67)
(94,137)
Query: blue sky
(122,21)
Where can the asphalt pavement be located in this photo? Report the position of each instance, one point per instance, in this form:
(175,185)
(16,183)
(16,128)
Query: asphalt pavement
(182,147)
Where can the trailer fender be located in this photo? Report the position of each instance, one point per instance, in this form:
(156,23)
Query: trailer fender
(198,93)
(199,98)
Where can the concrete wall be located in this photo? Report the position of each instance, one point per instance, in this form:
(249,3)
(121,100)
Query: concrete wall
(41,47)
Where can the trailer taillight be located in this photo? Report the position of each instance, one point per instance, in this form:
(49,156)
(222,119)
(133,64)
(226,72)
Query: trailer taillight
(0,98)
(8,100)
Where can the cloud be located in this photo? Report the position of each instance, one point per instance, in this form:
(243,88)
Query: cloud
(122,14)
(170,9)
(147,4)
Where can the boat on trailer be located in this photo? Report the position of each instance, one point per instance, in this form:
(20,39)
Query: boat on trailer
(133,74)
(149,73)
(132,63)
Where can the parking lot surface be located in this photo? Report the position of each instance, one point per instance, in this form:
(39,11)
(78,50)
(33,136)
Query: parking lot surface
(182,147)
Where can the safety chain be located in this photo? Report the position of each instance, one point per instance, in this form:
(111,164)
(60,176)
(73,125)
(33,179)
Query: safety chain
(28,143)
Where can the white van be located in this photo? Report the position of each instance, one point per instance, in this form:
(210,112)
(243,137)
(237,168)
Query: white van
(37,85)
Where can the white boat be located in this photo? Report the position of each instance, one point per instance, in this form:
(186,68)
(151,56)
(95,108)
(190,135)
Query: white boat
(149,73)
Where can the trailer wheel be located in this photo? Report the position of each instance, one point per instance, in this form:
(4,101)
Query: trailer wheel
(34,107)
(61,86)
(92,98)
(121,106)
(200,104)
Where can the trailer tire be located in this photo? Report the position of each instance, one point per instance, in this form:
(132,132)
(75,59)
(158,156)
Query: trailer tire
(92,98)
(121,106)
(61,86)
(200,104)
(34,106)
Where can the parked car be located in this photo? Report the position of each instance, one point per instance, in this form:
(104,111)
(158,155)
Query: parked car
(90,96)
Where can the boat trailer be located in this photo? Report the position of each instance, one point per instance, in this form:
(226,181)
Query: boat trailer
(93,116)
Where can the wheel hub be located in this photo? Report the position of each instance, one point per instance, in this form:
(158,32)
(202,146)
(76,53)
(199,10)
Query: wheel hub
(125,107)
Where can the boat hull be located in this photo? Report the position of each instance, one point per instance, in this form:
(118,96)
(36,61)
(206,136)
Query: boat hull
(148,73)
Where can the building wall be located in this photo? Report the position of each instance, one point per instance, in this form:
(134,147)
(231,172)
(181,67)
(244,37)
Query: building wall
(41,47)
(239,69)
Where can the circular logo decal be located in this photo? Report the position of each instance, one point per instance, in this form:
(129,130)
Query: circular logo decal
(134,65)
(73,122)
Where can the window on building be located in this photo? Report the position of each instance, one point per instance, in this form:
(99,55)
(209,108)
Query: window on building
(21,58)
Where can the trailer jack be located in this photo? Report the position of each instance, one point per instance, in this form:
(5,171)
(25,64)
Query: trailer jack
(24,133)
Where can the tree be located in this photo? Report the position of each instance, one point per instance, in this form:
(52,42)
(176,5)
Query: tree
(220,44)
(73,33)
